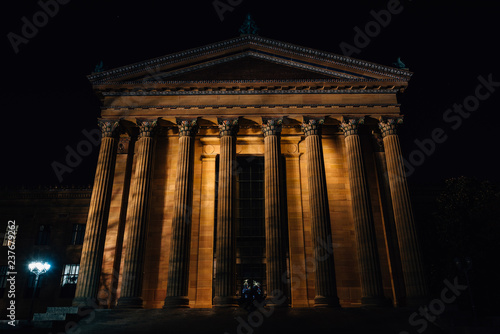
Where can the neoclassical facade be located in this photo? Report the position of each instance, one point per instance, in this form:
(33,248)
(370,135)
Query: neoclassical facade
(250,159)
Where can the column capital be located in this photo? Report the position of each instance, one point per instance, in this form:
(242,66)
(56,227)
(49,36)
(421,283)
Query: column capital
(147,127)
(388,125)
(312,126)
(187,127)
(271,126)
(350,125)
(109,128)
(228,126)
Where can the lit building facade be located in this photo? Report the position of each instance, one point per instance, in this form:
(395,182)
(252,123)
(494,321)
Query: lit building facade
(250,159)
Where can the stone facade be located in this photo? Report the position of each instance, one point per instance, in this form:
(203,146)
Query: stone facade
(338,221)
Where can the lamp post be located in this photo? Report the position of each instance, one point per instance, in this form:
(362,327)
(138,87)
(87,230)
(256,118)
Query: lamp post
(465,266)
(37,268)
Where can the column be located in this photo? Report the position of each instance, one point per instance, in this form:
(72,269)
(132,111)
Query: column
(388,219)
(326,286)
(138,217)
(225,240)
(411,256)
(178,268)
(275,236)
(97,221)
(372,292)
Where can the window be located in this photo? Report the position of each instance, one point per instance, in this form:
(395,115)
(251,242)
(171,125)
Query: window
(5,236)
(68,280)
(77,234)
(43,235)
(3,279)
(70,274)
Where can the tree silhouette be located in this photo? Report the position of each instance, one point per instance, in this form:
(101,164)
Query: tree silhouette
(466,223)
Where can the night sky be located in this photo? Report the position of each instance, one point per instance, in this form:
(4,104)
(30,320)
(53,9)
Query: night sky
(47,100)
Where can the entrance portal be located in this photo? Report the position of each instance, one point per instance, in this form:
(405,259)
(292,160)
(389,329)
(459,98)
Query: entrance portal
(250,220)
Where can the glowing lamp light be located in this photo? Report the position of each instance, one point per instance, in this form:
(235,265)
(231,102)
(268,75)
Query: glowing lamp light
(39,268)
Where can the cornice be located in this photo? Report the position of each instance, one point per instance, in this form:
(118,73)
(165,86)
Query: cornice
(176,83)
(230,91)
(50,192)
(246,106)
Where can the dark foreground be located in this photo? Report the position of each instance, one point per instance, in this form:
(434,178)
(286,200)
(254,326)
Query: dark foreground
(237,321)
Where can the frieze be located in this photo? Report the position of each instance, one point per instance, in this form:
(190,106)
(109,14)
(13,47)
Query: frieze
(253,106)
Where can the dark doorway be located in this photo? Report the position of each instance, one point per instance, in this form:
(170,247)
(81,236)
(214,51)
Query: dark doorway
(250,223)
(250,220)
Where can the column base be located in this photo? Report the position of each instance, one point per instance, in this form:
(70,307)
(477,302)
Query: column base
(129,302)
(226,301)
(323,301)
(376,301)
(176,302)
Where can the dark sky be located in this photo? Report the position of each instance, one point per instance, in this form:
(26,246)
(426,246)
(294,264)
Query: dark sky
(47,100)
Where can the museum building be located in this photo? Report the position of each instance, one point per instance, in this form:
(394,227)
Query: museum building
(250,162)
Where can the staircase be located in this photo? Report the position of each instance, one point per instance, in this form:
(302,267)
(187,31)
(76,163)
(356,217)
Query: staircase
(56,317)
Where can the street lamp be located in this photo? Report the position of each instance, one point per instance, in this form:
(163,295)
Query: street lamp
(37,268)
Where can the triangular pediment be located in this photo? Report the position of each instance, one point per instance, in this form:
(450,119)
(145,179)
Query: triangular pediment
(250,58)
(245,66)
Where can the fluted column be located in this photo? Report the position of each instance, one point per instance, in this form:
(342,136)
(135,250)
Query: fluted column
(275,236)
(137,218)
(178,268)
(97,221)
(411,256)
(372,292)
(325,281)
(226,237)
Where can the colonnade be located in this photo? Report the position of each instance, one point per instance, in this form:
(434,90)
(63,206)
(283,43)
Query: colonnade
(178,273)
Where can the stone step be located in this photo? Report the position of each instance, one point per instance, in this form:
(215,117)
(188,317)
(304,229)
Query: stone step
(42,324)
(65,310)
(49,317)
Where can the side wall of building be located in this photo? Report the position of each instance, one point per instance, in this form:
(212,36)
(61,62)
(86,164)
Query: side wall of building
(55,208)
